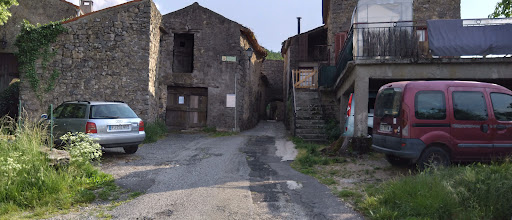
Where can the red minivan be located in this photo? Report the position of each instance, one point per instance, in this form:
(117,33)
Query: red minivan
(436,122)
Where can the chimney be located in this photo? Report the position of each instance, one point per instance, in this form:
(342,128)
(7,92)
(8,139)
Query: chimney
(86,6)
(298,24)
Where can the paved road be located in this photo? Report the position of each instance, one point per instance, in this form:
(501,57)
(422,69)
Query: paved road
(192,176)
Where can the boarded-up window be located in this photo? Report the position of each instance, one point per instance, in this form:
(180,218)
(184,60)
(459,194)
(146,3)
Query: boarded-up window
(183,61)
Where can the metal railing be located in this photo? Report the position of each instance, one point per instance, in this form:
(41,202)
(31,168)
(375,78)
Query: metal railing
(390,40)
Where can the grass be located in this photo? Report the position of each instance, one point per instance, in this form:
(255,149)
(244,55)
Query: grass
(29,184)
(476,191)
(154,131)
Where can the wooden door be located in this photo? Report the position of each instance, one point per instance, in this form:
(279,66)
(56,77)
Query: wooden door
(186,107)
(8,69)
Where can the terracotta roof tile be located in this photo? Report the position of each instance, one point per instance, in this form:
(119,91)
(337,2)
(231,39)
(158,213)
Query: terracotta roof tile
(76,18)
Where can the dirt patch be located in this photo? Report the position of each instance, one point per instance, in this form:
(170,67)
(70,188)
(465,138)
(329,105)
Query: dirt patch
(353,175)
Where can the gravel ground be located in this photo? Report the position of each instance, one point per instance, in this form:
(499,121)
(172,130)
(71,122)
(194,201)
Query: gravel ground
(193,176)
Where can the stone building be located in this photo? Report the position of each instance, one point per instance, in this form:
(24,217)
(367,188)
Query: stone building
(207,79)
(168,67)
(41,11)
(272,76)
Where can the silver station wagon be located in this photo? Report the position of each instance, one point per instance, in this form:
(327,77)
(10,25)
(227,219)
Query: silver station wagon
(112,124)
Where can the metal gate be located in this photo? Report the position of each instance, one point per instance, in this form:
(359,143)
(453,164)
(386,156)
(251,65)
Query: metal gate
(186,107)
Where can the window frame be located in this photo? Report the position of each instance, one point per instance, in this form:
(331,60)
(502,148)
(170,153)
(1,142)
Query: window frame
(430,92)
(485,105)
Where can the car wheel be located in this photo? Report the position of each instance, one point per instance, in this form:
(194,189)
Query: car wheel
(131,149)
(433,157)
(397,161)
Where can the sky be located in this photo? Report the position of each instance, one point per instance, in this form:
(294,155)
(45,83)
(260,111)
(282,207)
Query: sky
(274,21)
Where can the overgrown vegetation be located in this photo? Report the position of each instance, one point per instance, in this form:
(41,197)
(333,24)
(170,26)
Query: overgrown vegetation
(29,184)
(4,10)
(271,55)
(154,131)
(34,49)
(9,100)
(332,130)
(308,156)
(477,191)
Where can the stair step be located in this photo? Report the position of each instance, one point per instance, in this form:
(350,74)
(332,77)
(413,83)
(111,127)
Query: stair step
(304,126)
(313,136)
(311,122)
(309,131)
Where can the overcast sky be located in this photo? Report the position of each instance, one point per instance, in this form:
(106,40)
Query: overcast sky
(273,21)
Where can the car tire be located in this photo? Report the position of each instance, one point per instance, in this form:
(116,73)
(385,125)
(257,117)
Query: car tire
(131,149)
(397,161)
(433,157)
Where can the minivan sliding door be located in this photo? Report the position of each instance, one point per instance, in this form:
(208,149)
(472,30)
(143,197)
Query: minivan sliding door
(470,127)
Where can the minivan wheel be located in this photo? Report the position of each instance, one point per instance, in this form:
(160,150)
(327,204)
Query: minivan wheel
(397,161)
(433,157)
(131,149)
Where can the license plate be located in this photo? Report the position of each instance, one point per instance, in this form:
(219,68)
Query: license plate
(385,128)
(118,128)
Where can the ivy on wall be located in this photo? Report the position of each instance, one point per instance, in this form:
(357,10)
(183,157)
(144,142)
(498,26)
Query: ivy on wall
(34,47)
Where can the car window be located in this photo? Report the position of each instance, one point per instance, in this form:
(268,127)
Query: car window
(70,111)
(388,102)
(502,106)
(112,111)
(430,105)
(469,106)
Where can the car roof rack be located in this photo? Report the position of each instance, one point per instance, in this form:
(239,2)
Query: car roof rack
(116,101)
(78,101)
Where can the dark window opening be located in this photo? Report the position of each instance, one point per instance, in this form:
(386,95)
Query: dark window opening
(502,106)
(388,102)
(183,55)
(430,105)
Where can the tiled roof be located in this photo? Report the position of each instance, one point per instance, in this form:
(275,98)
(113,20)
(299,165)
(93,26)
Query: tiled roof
(76,18)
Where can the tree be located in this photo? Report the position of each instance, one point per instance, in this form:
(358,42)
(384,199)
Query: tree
(271,55)
(503,8)
(4,10)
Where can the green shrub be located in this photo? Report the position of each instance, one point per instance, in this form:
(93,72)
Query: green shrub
(155,130)
(332,130)
(471,192)
(28,182)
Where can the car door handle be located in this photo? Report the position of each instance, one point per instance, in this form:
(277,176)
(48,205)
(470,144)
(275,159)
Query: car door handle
(484,128)
(501,127)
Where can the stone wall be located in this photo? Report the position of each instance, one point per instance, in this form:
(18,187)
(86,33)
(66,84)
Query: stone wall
(105,56)
(436,9)
(338,20)
(40,11)
(273,71)
(214,36)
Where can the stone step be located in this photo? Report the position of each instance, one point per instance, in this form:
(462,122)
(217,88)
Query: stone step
(309,108)
(299,131)
(309,117)
(308,126)
(307,137)
(310,122)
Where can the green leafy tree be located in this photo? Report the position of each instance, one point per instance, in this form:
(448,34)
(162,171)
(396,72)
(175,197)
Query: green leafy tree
(271,55)
(4,10)
(503,8)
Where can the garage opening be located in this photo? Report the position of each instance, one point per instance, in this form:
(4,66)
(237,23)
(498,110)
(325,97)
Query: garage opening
(186,107)
(183,53)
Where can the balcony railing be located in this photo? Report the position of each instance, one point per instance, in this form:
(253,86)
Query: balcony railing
(390,40)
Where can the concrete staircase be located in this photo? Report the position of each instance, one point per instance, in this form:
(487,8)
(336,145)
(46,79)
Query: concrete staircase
(309,122)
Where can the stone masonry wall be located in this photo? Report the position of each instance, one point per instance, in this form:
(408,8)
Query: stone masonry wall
(436,9)
(104,56)
(40,11)
(339,20)
(273,70)
(154,54)
(214,36)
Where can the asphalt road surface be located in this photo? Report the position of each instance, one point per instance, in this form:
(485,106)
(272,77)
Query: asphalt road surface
(193,176)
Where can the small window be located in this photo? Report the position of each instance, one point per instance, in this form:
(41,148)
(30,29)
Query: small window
(469,106)
(430,105)
(502,106)
(183,53)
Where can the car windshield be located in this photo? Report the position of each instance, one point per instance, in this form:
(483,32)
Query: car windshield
(388,102)
(112,111)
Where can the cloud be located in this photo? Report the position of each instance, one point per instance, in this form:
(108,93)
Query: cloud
(101,4)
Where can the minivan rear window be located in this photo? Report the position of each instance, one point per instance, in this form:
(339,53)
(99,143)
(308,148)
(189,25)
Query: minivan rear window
(388,102)
(112,111)
(430,105)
